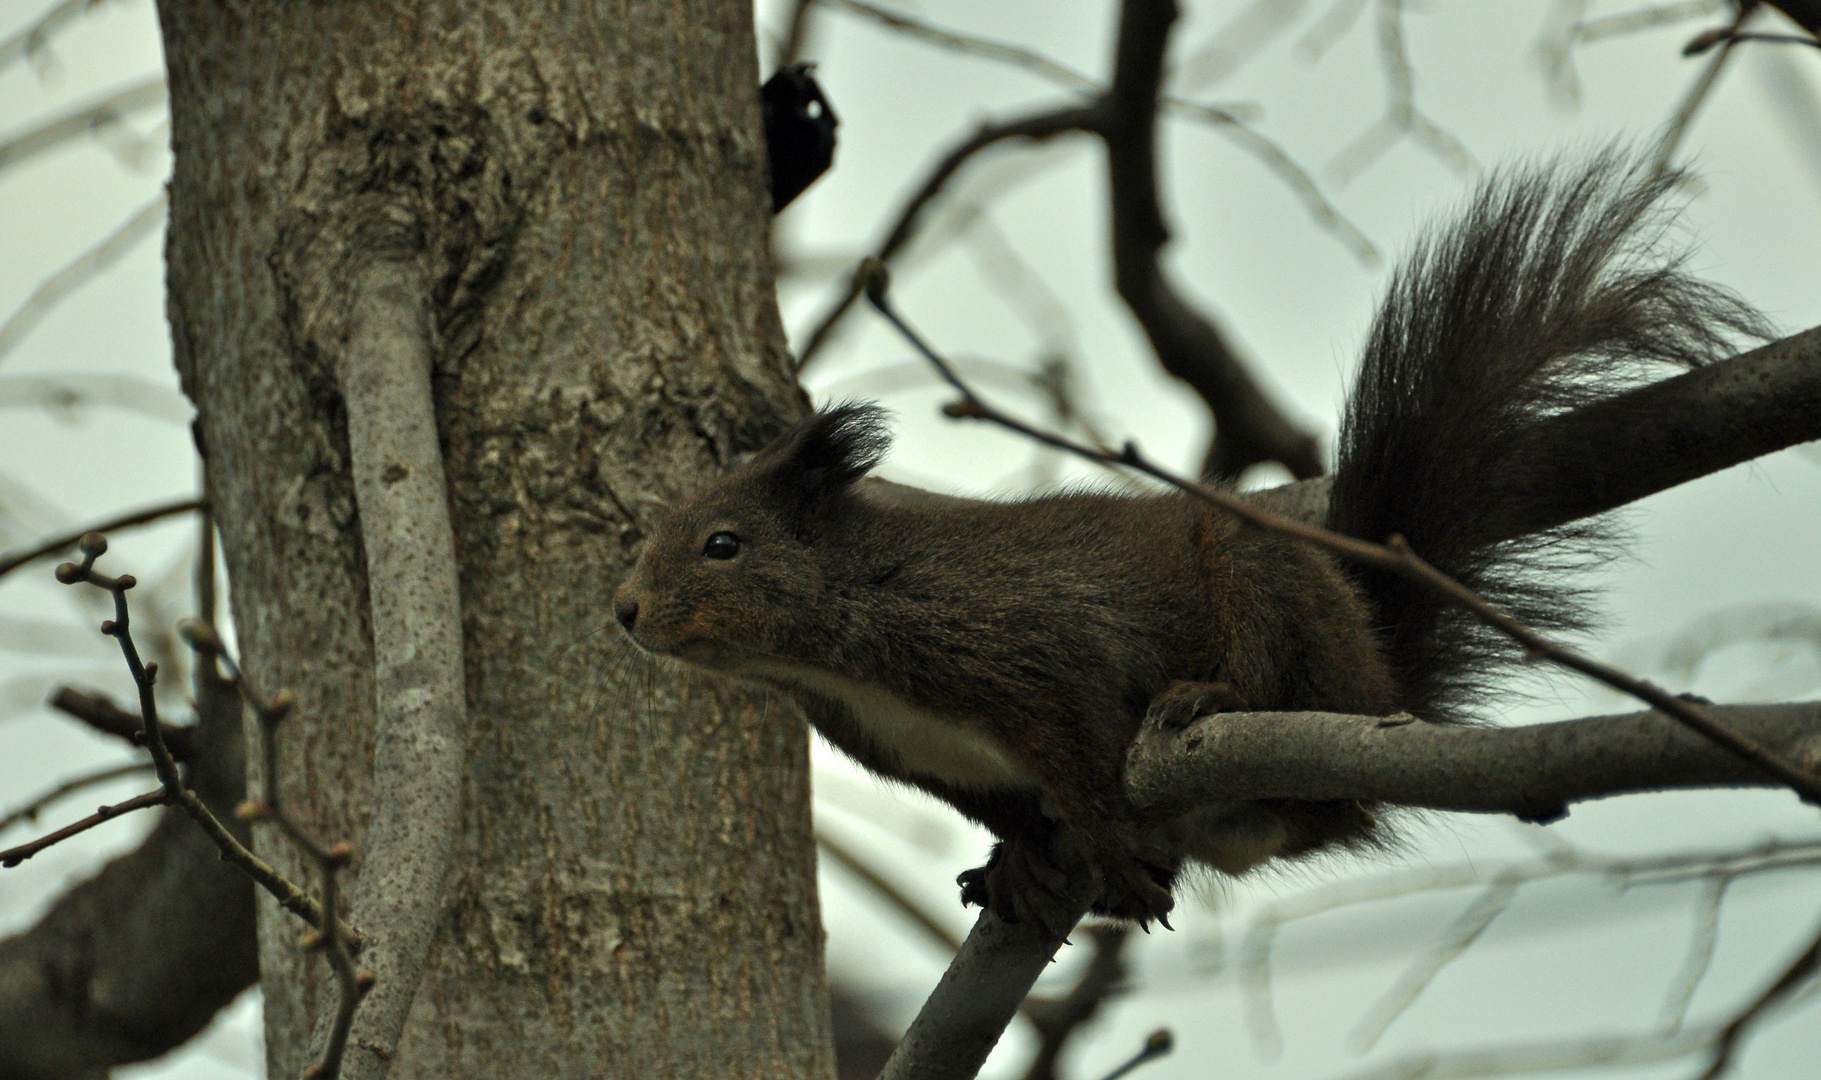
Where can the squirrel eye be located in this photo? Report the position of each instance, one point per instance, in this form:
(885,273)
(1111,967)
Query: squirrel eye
(722,545)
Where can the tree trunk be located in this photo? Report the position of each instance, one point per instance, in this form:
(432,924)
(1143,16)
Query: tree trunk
(583,189)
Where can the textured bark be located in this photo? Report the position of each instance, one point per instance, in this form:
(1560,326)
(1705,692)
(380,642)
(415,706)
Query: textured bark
(586,190)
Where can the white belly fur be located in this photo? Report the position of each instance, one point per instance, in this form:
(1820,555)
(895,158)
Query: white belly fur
(922,741)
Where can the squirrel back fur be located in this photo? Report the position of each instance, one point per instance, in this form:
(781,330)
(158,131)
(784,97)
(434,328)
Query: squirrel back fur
(1002,655)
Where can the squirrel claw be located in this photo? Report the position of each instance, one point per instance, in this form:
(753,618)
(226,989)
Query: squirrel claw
(1185,702)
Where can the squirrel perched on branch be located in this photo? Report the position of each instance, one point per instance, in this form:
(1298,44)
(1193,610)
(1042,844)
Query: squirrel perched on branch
(1002,655)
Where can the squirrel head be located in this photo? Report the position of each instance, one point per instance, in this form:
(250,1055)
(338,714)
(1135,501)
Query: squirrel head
(732,573)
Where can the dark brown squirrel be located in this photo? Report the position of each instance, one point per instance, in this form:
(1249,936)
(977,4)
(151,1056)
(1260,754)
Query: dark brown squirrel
(1002,655)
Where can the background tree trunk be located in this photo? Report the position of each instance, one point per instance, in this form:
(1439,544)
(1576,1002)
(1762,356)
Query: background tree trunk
(586,188)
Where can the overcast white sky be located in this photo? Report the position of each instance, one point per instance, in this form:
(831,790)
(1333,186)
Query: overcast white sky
(1568,957)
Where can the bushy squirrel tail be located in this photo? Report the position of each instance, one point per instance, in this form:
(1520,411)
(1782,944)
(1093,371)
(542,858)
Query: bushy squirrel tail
(1558,287)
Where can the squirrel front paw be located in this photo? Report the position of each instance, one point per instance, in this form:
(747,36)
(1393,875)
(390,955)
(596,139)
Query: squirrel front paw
(1021,883)
(1184,702)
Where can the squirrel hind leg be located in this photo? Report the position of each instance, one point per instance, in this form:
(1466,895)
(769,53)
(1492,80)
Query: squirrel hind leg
(1229,837)
(1037,877)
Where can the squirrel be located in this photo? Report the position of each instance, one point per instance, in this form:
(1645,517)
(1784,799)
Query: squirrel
(1002,655)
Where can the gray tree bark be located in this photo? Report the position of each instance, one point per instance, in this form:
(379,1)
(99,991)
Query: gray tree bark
(585,189)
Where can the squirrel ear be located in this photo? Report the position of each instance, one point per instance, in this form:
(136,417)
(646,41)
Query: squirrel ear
(826,453)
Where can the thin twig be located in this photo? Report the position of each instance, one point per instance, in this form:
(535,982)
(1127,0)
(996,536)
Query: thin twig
(1799,971)
(1037,128)
(1708,40)
(351,986)
(1157,1045)
(1394,556)
(88,118)
(29,811)
(288,894)
(890,892)
(1696,96)
(1590,30)
(13,856)
(1401,117)
(56,545)
(79,270)
(1466,930)
(1704,936)
(33,37)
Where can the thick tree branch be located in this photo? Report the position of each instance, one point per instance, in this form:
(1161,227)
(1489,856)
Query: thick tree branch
(1248,427)
(417,642)
(1531,772)
(1633,445)
(1670,432)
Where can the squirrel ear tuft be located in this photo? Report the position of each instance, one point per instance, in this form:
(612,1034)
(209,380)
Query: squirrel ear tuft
(827,452)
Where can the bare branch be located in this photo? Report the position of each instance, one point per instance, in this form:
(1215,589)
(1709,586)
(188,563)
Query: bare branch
(13,856)
(1037,128)
(1590,30)
(1588,1051)
(1056,1019)
(1237,40)
(1800,971)
(78,271)
(82,121)
(1401,118)
(889,892)
(1457,939)
(101,713)
(134,961)
(1697,95)
(977,997)
(63,394)
(1532,772)
(1704,937)
(1248,427)
(30,40)
(30,809)
(289,895)
(1159,1043)
(56,545)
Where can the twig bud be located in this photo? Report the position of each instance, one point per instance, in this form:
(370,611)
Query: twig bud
(364,980)
(125,582)
(338,855)
(93,545)
(253,810)
(280,705)
(312,941)
(70,574)
(200,636)
(109,627)
(875,279)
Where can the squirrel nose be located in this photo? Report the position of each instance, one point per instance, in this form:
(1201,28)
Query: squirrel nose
(626,610)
